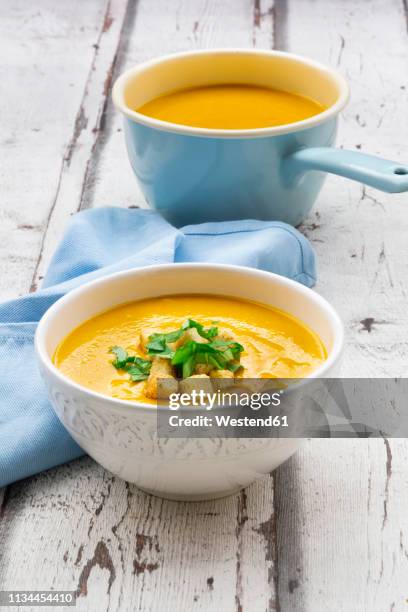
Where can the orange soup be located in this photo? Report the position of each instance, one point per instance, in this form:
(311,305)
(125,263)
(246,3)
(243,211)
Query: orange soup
(231,107)
(124,351)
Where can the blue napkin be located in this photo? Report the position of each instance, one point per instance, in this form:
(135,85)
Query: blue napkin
(99,242)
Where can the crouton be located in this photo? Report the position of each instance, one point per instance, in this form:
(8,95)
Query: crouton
(221,374)
(161,382)
(197,382)
(221,379)
(192,334)
(202,368)
(189,334)
(225,334)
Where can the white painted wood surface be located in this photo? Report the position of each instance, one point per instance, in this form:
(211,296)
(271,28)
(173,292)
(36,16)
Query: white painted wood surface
(336,537)
(347,508)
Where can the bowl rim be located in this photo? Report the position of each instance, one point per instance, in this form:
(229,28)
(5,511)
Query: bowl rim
(70,297)
(118,96)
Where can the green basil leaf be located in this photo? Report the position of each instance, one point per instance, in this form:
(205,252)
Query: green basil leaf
(234,367)
(188,366)
(158,342)
(136,374)
(236,346)
(166,354)
(136,367)
(208,334)
(121,356)
(143,364)
(215,362)
(174,336)
(211,332)
(183,353)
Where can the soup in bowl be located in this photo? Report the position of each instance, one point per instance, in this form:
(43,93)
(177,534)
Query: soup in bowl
(113,350)
(140,350)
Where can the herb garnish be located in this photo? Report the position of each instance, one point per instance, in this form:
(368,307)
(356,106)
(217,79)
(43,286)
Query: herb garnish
(208,334)
(158,343)
(218,354)
(136,367)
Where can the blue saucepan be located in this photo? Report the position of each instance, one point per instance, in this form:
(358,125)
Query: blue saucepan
(193,175)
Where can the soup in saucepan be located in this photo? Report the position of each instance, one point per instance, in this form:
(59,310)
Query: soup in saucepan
(138,351)
(231,107)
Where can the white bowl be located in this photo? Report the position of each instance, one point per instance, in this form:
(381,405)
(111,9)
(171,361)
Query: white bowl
(122,435)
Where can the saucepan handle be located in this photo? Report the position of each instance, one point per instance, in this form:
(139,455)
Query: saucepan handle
(376,172)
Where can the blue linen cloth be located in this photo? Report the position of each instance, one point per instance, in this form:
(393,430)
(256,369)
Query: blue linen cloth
(99,242)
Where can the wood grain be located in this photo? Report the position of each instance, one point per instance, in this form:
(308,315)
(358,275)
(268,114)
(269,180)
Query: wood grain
(80,528)
(45,60)
(339,501)
(73,174)
(338,538)
(77,527)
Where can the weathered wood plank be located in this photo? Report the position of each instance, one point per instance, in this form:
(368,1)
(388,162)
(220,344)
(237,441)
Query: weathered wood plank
(339,503)
(117,546)
(46,52)
(341,524)
(75,162)
(81,528)
(40,136)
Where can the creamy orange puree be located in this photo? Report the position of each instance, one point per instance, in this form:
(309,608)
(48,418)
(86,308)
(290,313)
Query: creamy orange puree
(231,107)
(276,344)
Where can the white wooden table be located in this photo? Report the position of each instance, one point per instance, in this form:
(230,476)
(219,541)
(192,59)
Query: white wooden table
(328,531)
